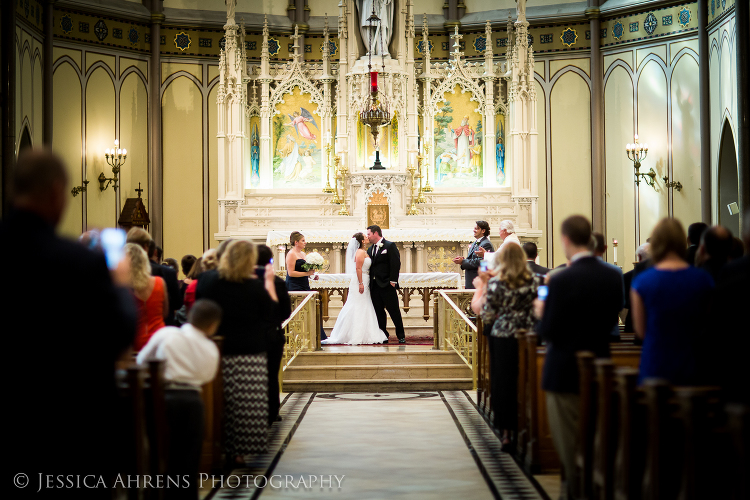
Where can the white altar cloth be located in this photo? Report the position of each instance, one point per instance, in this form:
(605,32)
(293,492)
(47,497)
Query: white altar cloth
(405,280)
(396,235)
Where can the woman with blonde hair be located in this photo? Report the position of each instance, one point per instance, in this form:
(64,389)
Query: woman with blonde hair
(150,295)
(505,302)
(249,314)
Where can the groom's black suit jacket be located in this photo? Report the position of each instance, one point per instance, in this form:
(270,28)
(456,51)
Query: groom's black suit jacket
(386,264)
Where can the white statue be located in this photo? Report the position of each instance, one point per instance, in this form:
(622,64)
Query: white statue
(231,6)
(384,10)
(521,10)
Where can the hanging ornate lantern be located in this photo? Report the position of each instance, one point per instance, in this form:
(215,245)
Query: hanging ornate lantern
(376,111)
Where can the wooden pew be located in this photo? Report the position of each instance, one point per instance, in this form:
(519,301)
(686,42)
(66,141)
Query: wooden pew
(631,442)
(586,417)
(605,437)
(538,451)
(155,393)
(213,404)
(135,459)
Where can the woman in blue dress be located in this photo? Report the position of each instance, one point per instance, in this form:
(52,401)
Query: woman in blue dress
(670,304)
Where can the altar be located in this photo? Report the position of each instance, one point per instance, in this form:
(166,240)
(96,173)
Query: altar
(420,285)
(421,250)
(295,154)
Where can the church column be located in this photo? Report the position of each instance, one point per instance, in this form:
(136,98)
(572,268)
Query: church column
(597,121)
(408,245)
(704,78)
(488,141)
(281,257)
(266,154)
(419,245)
(8,95)
(342,91)
(156,199)
(742,23)
(47,72)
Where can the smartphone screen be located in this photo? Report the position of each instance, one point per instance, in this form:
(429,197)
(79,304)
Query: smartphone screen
(113,244)
(542,293)
(483,266)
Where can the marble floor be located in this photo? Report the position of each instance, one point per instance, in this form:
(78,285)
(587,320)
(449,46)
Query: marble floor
(418,445)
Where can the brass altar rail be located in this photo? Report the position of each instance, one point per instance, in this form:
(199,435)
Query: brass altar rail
(455,330)
(302,329)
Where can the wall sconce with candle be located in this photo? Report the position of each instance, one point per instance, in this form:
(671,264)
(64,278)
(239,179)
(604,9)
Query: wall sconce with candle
(116,159)
(637,153)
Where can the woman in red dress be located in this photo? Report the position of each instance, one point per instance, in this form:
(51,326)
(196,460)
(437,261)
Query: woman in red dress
(150,295)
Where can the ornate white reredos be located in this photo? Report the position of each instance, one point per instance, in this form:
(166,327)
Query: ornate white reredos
(296,76)
(414,86)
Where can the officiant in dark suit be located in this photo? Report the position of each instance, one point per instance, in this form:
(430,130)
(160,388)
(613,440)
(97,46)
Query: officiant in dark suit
(470,264)
(384,271)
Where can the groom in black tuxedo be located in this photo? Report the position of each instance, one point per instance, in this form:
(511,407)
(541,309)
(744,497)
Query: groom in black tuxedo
(384,270)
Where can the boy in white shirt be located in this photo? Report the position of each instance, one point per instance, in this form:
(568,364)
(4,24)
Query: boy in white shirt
(192,360)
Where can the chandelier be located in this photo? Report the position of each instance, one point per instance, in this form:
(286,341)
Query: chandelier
(375,112)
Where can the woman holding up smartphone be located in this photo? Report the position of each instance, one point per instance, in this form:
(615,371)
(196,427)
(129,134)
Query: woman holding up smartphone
(505,300)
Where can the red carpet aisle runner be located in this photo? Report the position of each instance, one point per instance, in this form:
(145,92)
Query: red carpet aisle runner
(393,340)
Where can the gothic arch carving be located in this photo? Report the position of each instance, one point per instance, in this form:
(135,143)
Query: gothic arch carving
(296,78)
(449,85)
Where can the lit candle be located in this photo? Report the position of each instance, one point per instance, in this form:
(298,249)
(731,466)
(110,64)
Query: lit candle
(614,245)
(373,81)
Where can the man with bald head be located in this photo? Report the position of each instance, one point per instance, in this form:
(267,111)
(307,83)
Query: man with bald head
(65,323)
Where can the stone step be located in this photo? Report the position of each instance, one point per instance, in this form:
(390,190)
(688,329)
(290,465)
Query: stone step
(332,359)
(378,385)
(378,372)
(410,331)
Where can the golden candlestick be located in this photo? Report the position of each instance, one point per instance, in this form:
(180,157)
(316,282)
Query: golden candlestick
(413,170)
(336,176)
(342,171)
(328,189)
(421,162)
(427,188)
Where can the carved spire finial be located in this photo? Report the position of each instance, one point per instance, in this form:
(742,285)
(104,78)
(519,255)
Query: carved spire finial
(457,45)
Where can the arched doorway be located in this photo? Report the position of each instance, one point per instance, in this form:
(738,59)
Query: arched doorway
(25,141)
(728,180)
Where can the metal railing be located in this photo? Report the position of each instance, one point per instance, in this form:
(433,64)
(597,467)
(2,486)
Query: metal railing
(455,330)
(302,329)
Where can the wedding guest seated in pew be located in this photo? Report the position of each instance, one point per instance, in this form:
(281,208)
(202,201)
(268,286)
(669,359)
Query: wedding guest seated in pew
(505,300)
(249,308)
(191,361)
(150,294)
(61,351)
(578,314)
(670,305)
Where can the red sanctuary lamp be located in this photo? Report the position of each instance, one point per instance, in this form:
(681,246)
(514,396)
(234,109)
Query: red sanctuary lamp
(375,112)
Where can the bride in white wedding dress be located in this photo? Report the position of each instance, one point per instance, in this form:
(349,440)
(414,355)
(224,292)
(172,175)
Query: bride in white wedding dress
(357,323)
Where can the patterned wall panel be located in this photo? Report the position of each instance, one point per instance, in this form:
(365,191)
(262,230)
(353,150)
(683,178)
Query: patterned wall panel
(31,11)
(651,24)
(717,8)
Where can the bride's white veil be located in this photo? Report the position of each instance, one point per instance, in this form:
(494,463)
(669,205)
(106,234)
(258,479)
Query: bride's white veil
(351,252)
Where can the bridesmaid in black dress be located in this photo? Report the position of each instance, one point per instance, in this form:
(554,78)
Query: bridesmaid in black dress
(297,279)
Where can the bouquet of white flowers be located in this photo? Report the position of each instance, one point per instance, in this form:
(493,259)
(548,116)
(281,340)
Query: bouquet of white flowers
(313,261)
